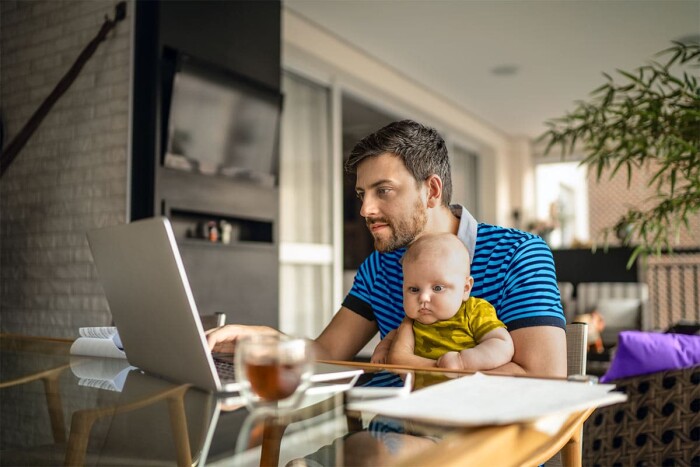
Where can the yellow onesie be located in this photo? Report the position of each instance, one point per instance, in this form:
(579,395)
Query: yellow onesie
(474,319)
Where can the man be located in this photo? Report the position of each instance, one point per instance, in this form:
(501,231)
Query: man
(404,183)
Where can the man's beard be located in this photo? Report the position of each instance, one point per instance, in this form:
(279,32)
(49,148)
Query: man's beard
(403,231)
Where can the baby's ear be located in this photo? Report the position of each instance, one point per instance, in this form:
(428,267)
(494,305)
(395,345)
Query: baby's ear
(468,287)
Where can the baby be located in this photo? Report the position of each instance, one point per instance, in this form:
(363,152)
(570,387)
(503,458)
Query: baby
(443,326)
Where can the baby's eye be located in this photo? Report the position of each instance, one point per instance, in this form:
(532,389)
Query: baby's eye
(438,288)
(412,289)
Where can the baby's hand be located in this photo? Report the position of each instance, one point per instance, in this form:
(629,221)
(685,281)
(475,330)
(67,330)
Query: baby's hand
(450,360)
(380,354)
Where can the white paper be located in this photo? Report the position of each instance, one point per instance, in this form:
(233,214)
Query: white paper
(480,399)
(104,332)
(103,373)
(96,347)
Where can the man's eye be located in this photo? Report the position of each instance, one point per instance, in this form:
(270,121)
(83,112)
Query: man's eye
(383,191)
(438,288)
(360,196)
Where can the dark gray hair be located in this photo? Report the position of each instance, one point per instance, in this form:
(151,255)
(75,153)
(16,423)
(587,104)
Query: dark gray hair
(421,148)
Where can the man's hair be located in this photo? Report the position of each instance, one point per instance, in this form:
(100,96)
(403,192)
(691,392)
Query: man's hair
(421,148)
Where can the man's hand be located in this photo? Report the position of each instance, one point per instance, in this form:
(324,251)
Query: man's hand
(223,339)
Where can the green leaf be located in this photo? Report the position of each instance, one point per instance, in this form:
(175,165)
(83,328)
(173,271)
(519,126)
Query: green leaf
(633,257)
(629,76)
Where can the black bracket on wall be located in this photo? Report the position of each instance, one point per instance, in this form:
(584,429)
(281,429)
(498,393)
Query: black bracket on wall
(18,142)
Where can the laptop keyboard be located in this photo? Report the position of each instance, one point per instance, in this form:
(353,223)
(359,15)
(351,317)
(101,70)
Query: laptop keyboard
(225,369)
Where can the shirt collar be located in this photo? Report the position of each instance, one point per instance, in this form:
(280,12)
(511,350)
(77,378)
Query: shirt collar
(467,228)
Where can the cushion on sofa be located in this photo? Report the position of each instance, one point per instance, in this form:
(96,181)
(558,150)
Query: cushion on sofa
(640,353)
(620,312)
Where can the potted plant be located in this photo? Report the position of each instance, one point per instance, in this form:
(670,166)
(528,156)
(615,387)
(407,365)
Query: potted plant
(649,119)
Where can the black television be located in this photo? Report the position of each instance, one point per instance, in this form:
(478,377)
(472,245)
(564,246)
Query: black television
(219,123)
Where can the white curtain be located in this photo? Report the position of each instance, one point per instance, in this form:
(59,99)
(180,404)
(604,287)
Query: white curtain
(305,208)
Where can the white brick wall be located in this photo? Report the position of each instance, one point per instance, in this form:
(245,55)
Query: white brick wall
(72,174)
(609,199)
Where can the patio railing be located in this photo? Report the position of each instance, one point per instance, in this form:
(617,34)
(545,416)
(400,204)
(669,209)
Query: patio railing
(674,287)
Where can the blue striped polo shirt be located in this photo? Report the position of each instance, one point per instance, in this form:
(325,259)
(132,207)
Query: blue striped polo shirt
(512,270)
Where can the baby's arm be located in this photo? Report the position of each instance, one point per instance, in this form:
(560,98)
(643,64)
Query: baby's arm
(402,349)
(494,349)
(381,351)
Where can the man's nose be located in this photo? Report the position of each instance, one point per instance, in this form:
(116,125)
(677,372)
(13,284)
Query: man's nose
(369,207)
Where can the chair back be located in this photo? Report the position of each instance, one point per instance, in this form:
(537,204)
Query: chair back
(576,348)
(213,321)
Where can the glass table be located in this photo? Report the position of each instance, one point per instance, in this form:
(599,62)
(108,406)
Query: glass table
(59,409)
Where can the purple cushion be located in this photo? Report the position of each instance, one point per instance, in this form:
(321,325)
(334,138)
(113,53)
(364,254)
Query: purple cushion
(640,353)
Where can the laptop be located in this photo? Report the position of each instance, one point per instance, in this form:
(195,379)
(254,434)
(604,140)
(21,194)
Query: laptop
(152,305)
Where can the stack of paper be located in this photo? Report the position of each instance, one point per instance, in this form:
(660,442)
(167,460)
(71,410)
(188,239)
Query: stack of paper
(98,342)
(480,399)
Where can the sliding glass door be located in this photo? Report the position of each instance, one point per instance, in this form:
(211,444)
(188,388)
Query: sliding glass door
(306,221)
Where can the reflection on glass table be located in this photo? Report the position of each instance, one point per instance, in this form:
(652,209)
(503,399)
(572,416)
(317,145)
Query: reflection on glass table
(142,420)
(137,419)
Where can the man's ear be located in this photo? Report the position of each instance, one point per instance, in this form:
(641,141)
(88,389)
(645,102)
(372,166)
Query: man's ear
(434,185)
(468,288)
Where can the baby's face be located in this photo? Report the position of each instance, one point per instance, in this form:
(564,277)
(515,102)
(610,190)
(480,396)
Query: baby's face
(433,290)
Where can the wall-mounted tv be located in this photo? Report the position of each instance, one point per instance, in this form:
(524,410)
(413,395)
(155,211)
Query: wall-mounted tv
(218,123)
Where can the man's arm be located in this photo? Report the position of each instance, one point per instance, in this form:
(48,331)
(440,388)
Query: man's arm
(539,351)
(344,336)
(403,347)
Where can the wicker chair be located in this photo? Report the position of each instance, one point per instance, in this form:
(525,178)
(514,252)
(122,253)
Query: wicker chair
(659,424)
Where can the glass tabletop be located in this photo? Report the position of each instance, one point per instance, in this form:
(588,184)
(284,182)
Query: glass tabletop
(60,409)
(325,430)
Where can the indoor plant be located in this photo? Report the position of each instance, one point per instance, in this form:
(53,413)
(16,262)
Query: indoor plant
(650,119)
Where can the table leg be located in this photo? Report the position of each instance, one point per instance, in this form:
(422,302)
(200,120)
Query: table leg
(272,439)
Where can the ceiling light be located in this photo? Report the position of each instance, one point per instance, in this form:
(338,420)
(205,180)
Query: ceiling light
(507,69)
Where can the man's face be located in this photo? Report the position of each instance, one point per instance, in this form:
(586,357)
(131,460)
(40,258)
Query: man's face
(393,206)
(434,288)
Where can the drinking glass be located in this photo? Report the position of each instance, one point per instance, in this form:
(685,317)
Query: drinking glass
(273,371)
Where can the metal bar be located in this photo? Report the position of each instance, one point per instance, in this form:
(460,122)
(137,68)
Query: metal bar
(697,293)
(657,308)
(682,280)
(669,296)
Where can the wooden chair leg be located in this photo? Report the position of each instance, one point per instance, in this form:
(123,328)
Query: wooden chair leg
(80,427)
(178,423)
(53,401)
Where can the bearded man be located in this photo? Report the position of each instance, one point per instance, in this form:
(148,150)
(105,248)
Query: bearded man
(403,180)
